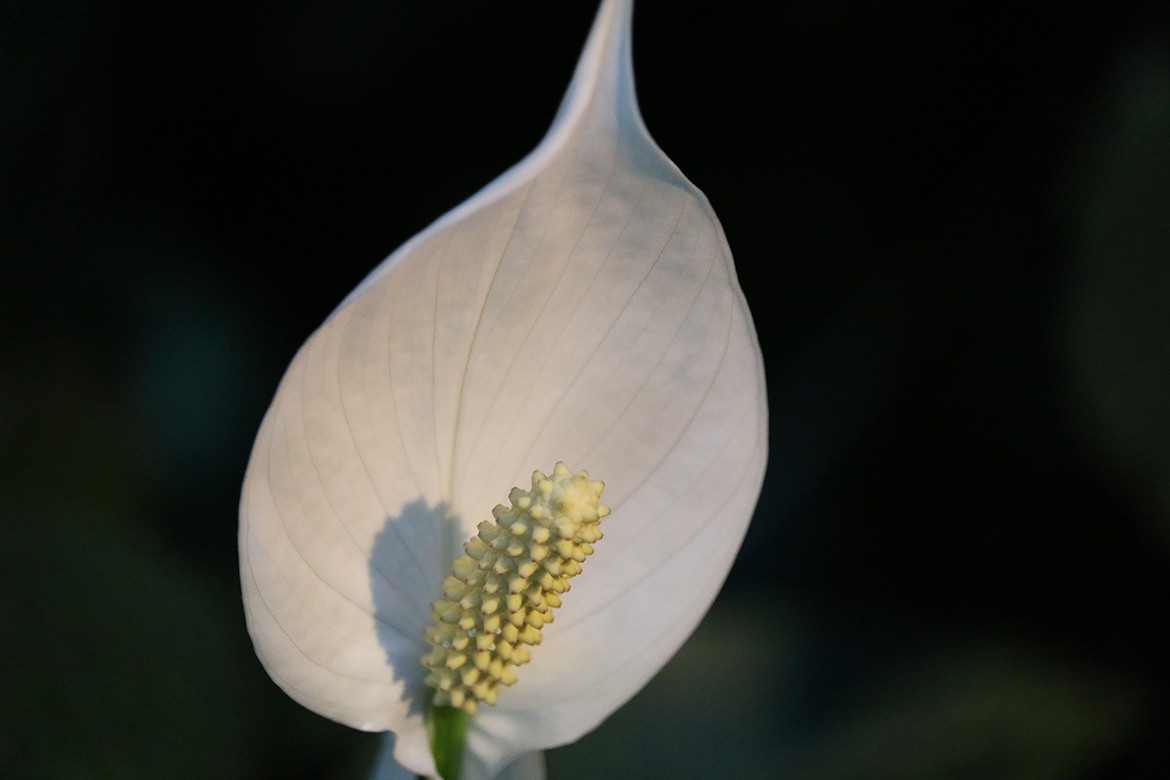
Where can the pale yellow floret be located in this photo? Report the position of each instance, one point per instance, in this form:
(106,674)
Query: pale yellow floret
(503,590)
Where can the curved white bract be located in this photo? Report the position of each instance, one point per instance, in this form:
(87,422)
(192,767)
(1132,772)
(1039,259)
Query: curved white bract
(582,308)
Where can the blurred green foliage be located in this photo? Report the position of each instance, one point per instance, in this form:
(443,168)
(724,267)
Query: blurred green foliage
(758,701)
(1116,329)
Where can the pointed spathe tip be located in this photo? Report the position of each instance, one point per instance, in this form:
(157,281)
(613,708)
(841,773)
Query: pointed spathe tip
(602,88)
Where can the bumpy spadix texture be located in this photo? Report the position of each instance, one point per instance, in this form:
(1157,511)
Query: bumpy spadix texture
(583,307)
(504,588)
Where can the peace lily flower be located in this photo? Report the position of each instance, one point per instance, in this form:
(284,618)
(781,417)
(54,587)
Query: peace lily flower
(582,308)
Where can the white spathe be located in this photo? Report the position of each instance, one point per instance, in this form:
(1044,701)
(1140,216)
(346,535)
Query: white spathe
(583,307)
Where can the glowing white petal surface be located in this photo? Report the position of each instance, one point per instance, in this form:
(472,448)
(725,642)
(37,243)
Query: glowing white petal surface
(583,307)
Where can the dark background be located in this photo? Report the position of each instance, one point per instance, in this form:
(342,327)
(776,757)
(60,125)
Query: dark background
(952,222)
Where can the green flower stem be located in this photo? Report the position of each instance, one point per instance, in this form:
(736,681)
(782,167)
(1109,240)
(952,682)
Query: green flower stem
(446,728)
